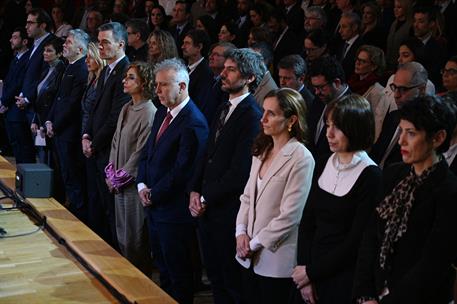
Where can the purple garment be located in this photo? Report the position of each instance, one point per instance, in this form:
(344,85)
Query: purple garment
(118,178)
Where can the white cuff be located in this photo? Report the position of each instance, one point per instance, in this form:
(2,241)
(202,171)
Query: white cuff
(240,229)
(254,244)
(141,186)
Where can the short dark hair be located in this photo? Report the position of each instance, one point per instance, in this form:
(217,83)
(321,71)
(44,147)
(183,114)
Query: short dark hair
(328,67)
(119,31)
(430,10)
(265,49)
(416,47)
(187,5)
(295,63)
(318,37)
(250,63)
(56,43)
(353,115)
(42,17)
(139,26)
(430,114)
(200,37)
(452,59)
(22,32)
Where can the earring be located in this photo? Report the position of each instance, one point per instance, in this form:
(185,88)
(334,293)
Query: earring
(289,128)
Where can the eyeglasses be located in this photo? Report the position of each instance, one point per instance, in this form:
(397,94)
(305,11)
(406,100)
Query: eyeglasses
(362,61)
(402,89)
(320,87)
(451,72)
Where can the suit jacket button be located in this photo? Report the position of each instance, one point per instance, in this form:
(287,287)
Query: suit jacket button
(210,161)
(58,98)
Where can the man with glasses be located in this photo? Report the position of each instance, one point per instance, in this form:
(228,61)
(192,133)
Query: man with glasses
(329,83)
(315,18)
(137,34)
(409,82)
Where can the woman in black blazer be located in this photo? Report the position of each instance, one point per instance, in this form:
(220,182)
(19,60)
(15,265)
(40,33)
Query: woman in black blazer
(46,92)
(411,242)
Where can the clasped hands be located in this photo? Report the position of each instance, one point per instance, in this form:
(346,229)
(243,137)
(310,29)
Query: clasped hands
(88,151)
(243,250)
(301,279)
(196,207)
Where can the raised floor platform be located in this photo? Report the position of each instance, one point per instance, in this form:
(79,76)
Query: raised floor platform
(65,262)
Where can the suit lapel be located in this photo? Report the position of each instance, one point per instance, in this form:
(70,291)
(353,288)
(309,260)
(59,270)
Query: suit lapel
(174,125)
(280,160)
(231,122)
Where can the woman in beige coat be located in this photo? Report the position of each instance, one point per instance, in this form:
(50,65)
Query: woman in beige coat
(274,198)
(133,128)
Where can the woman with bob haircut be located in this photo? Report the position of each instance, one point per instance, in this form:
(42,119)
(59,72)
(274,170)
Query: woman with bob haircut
(343,196)
(273,199)
(410,243)
(132,131)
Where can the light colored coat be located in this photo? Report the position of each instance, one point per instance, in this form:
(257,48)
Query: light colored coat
(273,213)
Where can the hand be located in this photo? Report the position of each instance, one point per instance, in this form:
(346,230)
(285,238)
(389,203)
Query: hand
(20,102)
(50,130)
(3,109)
(196,208)
(42,132)
(300,277)
(145,197)
(110,185)
(87,149)
(34,128)
(242,246)
(308,294)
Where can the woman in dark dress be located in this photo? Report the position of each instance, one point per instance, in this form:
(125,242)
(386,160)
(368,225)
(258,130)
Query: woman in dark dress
(411,241)
(343,195)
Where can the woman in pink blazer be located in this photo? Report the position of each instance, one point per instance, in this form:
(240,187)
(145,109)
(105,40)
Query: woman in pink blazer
(274,198)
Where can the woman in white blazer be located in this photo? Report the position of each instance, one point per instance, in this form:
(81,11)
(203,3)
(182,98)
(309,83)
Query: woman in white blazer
(274,198)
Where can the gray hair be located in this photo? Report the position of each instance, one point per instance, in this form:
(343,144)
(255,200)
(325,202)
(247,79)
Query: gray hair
(318,12)
(295,63)
(250,63)
(81,39)
(419,75)
(354,18)
(176,65)
(226,45)
(118,30)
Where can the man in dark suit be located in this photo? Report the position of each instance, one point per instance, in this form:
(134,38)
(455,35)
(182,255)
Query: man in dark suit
(17,126)
(64,119)
(178,137)
(137,31)
(294,16)
(329,83)
(223,171)
(409,82)
(286,42)
(181,23)
(435,54)
(100,128)
(37,26)
(243,22)
(195,46)
(293,71)
(349,30)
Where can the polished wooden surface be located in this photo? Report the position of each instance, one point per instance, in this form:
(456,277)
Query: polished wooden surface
(128,281)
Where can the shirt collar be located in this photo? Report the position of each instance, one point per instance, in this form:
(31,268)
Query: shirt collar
(236,101)
(194,65)
(19,54)
(113,65)
(175,111)
(352,40)
(37,41)
(426,39)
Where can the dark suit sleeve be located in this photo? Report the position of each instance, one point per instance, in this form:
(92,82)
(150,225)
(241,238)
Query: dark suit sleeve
(234,179)
(104,135)
(190,145)
(141,175)
(12,85)
(367,197)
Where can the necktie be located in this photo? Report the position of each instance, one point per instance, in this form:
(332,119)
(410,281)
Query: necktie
(107,72)
(164,126)
(345,49)
(222,116)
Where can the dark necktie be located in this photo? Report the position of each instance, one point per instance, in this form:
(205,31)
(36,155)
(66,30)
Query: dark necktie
(164,126)
(221,120)
(345,48)
(107,72)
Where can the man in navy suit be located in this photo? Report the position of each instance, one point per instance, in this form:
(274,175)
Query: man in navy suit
(223,171)
(194,47)
(181,17)
(37,26)
(178,137)
(100,128)
(17,126)
(64,119)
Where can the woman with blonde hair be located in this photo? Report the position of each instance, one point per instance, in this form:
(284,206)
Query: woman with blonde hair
(161,46)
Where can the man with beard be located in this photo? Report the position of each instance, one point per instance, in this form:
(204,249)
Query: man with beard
(223,171)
